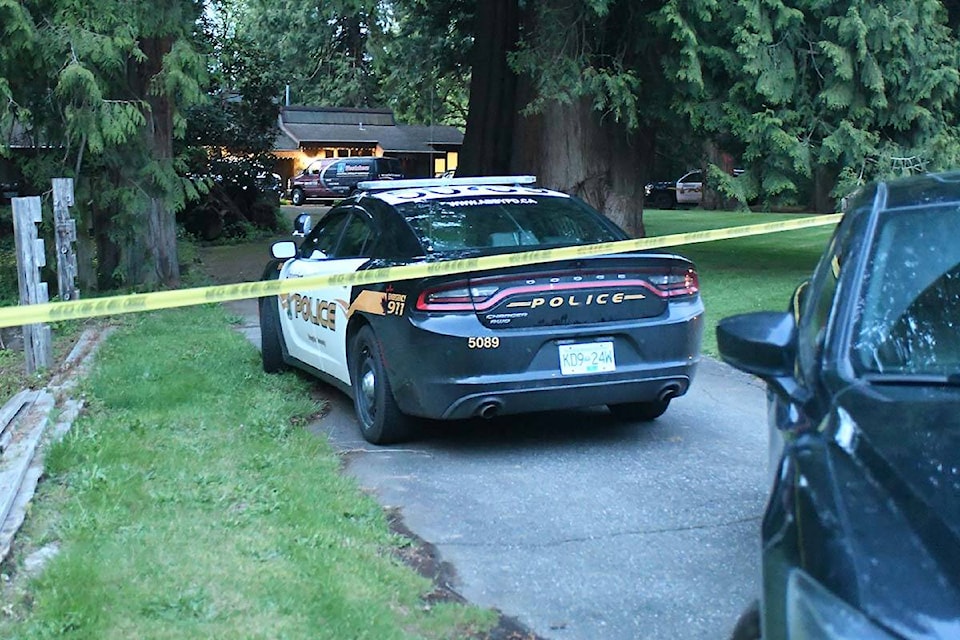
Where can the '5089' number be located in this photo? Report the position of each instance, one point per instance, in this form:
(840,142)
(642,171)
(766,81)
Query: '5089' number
(483,342)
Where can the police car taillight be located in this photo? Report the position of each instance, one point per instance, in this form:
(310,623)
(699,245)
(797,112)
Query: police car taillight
(677,282)
(454,297)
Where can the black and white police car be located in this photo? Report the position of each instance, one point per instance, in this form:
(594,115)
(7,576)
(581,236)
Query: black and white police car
(621,330)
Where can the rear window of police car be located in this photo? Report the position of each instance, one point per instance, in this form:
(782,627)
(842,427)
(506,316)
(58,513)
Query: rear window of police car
(502,219)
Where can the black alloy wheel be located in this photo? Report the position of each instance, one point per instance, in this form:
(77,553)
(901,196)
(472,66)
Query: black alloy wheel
(381,421)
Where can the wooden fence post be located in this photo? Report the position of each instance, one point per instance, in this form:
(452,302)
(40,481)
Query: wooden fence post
(30,257)
(66,232)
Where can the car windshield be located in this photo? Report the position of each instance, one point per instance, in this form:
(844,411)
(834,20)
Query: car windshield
(505,222)
(910,306)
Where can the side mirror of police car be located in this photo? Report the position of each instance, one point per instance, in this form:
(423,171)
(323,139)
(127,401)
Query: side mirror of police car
(302,224)
(284,250)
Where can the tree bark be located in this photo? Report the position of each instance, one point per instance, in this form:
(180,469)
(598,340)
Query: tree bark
(488,140)
(160,234)
(570,147)
(824,180)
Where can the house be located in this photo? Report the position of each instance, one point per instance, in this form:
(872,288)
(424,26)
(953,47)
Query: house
(308,133)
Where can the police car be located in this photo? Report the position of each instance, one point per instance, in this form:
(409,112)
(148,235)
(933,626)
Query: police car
(621,330)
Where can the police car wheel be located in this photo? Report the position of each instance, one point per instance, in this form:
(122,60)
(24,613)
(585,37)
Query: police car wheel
(296,197)
(381,421)
(639,411)
(271,340)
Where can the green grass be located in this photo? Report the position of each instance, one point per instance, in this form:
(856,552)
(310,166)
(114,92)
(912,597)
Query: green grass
(743,274)
(190,502)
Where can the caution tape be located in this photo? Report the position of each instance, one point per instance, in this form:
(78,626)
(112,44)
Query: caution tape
(114,305)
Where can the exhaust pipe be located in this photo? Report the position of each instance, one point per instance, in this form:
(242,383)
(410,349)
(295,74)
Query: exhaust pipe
(668,392)
(488,409)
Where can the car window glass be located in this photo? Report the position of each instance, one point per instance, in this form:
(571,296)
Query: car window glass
(497,223)
(388,166)
(323,238)
(910,313)
(818,303)
(356,237)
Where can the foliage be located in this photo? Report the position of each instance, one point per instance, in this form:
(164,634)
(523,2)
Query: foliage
(100,86)
(320,49)
(422,60)
(189,501)
(9,289)
(242,195)
(610,52)
(230,137)
(852,90)
(245,87)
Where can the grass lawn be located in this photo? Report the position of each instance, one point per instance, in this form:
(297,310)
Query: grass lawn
(743,274)
(189,502)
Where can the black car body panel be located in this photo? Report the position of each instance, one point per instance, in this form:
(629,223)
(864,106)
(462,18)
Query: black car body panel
(861,536)
(612,329)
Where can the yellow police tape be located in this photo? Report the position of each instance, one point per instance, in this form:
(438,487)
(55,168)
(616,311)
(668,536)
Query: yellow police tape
(76,309)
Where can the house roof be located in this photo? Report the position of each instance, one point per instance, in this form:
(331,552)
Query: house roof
(309,126)
(336,115)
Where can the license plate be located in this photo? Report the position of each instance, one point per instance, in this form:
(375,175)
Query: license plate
(589,357)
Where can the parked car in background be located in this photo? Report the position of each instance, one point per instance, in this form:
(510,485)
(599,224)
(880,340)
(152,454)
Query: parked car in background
(861,535)
(335,178)
(621,330)
(687,190)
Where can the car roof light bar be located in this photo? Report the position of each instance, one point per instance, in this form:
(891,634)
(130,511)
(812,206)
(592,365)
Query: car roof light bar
(382,185)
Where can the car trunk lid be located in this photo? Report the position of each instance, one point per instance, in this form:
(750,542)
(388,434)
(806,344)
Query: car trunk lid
(583,291)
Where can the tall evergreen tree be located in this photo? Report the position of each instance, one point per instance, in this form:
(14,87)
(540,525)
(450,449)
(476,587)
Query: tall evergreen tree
(422,60)
(590,100)
(101,85)
(822,96)
(319,48)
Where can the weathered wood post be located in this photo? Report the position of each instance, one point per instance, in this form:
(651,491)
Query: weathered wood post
(66,232)
(30,257)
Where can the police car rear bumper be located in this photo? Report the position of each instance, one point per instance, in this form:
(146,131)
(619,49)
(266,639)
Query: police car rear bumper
(488,398)
(446,381)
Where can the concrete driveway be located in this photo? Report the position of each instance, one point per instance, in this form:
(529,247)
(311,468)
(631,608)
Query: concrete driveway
(578,526)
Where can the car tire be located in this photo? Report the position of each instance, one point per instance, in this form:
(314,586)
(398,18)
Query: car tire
(271,338)
(748,624)
(662,201)
(639,411)
(381,421)
(297,197)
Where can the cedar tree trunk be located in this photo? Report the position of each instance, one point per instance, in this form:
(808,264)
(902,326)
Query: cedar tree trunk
(160,233)
(488,140)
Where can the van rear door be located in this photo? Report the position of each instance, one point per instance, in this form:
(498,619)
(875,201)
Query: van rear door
(388,169)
